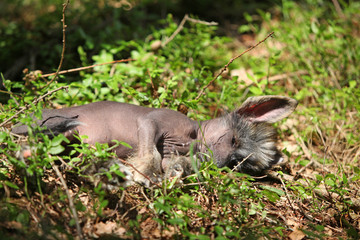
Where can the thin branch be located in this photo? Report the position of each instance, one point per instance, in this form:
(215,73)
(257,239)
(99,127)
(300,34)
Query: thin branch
(201,22)
(287,194)
(304,213)
(87,67)
(227,65)
(129,210)
(181,26)
(307,154)
(11,95)
(284,75)
(27,106)
(194,184)
(338,9)
(155,92)
(275,175)
(148,201)
(63,41)
(129,164)
(71,202)
(240,163)
(22,109)
(8,92)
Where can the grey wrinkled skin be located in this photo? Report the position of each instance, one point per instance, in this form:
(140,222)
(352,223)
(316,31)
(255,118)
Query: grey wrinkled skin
(243,139)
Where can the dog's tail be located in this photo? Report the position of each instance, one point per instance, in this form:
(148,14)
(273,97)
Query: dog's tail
(50,125)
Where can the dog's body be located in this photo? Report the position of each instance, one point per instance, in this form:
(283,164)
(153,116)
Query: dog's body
(156,135)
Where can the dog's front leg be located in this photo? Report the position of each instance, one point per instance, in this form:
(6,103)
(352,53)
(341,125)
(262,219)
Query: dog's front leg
(147,160)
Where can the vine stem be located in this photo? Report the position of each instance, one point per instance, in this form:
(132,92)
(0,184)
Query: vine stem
(228,64)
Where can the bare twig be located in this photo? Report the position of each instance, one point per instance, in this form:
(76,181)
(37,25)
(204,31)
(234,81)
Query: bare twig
(306,152)
(181,26)
(22,109)
(237,165)
(36,100)
(201,22)
(71,202)
(194,184)
(87,67)
(284,75)
(155,92)
(275,175)
(11,95)
(132,166)
(338,9)
(228,64)
(261,177)
(286,193)
(63,41)
(148,201)
(33,215)
(129,210)
(305,212)
(305,167)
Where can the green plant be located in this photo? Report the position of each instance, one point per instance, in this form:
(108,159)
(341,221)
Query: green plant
(313,57)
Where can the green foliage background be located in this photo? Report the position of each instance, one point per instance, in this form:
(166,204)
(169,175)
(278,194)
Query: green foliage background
(315,51)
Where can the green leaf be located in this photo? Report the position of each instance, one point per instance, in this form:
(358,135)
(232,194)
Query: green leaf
(23,218)
(255,90)
(201,237)
(275,190)
(80,207)
(244,28)
(345,179)
(10,184)
(314,27)
(3,136)
(352,84)
(248,17)
(219,230)
(72,222)
(319,177)
(104,203)
(176,221)
(117,143)
(303,162)
(272,196)
(56,150)
(330,182)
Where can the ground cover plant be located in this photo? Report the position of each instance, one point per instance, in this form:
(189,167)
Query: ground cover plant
(312,56)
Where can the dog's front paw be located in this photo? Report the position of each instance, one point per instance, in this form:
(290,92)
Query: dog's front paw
(177,166)
(117,176)
(147,169)
(147,179)
(111,174)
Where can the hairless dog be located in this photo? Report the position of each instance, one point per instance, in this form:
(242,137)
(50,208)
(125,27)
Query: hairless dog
(242,139)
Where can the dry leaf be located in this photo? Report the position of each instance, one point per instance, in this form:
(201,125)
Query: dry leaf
(297,235)
(104,228)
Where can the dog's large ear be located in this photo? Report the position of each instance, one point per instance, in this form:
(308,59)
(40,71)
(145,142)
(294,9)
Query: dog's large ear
(267,108)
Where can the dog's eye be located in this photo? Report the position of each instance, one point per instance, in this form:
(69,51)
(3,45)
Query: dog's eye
(233,141)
